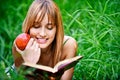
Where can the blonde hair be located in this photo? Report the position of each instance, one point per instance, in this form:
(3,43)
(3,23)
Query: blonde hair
(49,7)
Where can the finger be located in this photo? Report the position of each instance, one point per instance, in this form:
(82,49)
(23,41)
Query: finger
(38,53)
(34,44)
(36,48)
(37,45)
(30,43)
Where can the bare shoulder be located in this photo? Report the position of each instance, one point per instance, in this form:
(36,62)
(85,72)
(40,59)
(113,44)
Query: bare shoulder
(70,41)
(70,47)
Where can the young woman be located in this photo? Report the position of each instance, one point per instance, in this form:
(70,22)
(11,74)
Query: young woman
(48,44)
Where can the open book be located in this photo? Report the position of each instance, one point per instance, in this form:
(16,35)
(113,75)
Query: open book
(65,64)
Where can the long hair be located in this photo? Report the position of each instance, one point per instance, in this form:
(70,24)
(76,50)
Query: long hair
(53,12)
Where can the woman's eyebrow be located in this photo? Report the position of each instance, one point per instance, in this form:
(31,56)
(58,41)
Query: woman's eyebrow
(37,23)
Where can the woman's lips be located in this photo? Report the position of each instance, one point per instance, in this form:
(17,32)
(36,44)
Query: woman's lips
(41,41)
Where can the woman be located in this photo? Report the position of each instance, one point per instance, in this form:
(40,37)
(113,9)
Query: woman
(48,44)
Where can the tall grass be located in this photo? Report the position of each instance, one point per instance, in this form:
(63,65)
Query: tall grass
(95,24)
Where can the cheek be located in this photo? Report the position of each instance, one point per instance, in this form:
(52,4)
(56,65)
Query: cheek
(53,33)
(32,32)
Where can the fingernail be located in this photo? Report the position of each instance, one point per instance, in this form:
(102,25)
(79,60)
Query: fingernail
(32,39)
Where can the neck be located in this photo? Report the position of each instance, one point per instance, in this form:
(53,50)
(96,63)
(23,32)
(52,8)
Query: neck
(47,56)
(46,50)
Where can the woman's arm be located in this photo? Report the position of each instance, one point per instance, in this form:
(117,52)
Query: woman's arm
(69,50)
(18,60)
(68,74)
(30,54)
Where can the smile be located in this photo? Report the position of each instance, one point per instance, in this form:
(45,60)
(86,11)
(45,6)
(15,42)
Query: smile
(41,40)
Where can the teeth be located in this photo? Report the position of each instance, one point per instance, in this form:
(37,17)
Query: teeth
(42,41)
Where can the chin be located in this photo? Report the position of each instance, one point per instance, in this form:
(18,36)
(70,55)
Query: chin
(43,46)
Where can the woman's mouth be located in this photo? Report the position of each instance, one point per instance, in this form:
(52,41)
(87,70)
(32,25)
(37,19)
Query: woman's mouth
(41,40)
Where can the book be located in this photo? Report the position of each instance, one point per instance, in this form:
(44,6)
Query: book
(64,64)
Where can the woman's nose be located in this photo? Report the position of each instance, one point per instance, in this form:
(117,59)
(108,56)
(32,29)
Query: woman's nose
(42,32)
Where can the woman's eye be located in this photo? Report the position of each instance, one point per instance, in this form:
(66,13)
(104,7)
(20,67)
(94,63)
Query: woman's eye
(36,26)
(49,27)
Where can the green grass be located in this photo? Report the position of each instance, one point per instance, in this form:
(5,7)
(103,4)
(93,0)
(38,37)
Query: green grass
(95,24)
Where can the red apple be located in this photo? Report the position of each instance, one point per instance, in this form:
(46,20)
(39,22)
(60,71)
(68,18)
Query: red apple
(22,40)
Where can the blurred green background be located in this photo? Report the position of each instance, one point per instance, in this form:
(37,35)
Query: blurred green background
(95,24)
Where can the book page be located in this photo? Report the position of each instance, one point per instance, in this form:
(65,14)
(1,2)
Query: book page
(42,67)
(58,66)
(67,62)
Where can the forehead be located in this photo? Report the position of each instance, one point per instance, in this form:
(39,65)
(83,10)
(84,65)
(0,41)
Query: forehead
(38,17)
(43,17)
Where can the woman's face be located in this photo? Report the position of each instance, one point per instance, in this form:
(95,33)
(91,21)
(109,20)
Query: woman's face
(43,32)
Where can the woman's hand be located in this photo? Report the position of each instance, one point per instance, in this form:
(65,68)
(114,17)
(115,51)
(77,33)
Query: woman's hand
(31,53)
